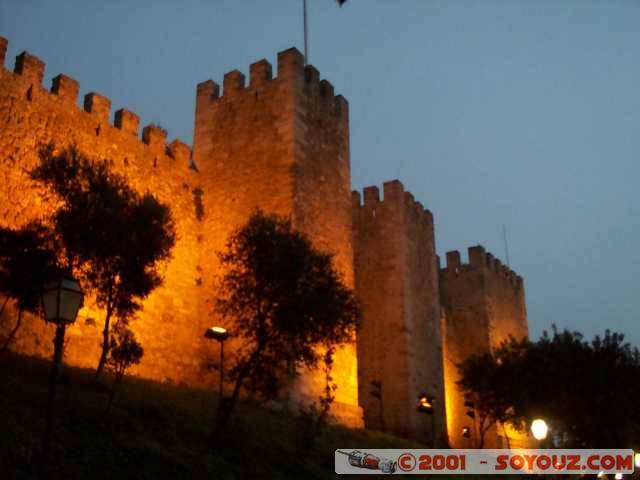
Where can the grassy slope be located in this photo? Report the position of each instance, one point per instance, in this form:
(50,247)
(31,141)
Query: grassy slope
(153,431)
(156,431)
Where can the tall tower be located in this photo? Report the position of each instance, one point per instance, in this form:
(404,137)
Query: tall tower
(483,304)
(399,341)
(282,145)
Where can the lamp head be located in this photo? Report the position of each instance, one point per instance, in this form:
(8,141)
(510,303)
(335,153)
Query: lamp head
(216,333)
(425,403)
(61,300)
(539,429)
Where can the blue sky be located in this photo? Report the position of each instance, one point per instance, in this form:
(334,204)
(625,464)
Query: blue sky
(522,113)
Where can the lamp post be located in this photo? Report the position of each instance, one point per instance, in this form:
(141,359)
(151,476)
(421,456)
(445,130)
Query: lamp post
(220,334)
(61,301)
(425,405)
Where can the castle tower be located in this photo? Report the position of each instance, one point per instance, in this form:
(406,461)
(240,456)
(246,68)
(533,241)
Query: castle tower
(399,341)
(483,304)
(282,145)
(172,320)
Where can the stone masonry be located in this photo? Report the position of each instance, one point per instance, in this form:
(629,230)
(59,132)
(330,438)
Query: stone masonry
(279,143)
(399,342)
(483,304)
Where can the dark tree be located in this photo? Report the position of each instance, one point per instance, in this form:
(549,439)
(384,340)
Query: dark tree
(586,391)
(487,393)
(286,303)
(125,351)
(314,418)
(113,236)
(28,261)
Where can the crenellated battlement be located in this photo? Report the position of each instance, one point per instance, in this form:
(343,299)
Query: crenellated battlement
(397,286)
(479,259)
(291,71)
(274,138)
(394,196)
(28,74)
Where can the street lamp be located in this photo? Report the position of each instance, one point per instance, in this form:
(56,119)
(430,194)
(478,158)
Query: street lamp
(425,405)
(220,334)
(61,301)
(539,429)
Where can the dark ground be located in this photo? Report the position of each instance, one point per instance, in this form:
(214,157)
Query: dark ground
(156,431)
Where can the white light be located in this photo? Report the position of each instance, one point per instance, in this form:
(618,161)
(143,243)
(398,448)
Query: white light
(618,476)
(539,429)
(637,457)
(61,301)
(601,475)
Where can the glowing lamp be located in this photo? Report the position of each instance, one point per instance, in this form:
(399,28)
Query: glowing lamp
(539,429)
(637,460)
(220,334)
(466,432)
(216,333)
(61,301)
(618,476)
(425,404)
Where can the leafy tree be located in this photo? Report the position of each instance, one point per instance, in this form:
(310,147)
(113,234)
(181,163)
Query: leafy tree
(287,305)
(586,391)
(113,236)
(487,392)
(314,418)
(28,261)
(124,352)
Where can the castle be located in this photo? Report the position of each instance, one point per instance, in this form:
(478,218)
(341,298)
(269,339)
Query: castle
(280,143)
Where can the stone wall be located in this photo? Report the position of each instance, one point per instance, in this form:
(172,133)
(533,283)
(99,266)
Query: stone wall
(173,317)
(483,304)
(399,342)
(280,144)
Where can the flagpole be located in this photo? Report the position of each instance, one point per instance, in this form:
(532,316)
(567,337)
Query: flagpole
(306,36)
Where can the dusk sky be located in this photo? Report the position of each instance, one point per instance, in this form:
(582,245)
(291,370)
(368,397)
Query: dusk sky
(525,114)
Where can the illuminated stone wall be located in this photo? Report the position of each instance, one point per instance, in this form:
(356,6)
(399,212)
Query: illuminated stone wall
(279,144)
(483,304)
(399,343)
(173,318)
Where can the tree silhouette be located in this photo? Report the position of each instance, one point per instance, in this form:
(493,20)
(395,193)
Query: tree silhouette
(586,391)
(28,261)
(113,236)
(487,393)
(286,304)
(125,351)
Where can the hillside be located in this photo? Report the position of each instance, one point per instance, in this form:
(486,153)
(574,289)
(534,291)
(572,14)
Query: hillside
(153,431)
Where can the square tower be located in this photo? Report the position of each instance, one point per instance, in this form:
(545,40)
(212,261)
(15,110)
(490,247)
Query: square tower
(399,341)
(483,305)
(281,145)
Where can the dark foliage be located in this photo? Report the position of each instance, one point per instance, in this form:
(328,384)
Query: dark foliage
(124,352)
(286,303)
(487,394)
(28,261)
(113,236)
(314,418)
(586,391)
